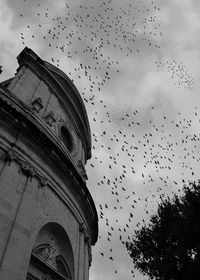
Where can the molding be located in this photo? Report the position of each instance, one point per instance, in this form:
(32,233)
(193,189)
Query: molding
(25,167)
(49,181)
(19,121)
(49,270)
(87,240)
(26,112)
(82,169)
(54,77)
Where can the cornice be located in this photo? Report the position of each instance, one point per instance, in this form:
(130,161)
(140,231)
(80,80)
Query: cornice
(26,112)
(14,113)
(32,60)
(32,169)
(25,167)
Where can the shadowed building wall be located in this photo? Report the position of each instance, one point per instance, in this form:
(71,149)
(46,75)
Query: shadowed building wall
(48,220)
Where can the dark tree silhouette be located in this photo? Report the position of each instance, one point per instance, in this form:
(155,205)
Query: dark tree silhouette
(169,247)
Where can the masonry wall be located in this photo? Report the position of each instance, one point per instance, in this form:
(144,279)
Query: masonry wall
(28,87)
(48,219)
(26,206)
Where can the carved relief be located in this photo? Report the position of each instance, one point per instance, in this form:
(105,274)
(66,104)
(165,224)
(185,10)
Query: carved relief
(50,118)
(58,123)
(43,181)
(10,156)
(25,167)
(47,252)
(37,105)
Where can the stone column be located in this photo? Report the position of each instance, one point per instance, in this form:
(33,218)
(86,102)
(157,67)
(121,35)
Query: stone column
(81,261)
(85,256)
(88,255)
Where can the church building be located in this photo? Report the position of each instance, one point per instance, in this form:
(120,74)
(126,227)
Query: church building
(48,220)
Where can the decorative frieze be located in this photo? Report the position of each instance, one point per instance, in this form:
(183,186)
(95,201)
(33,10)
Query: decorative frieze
(24,166)
(47,252)
(27,169)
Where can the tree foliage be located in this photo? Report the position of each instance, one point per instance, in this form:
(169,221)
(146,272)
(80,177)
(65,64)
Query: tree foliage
(169,247)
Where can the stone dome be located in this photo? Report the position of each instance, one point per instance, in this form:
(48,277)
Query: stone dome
(50,217)
(64,87)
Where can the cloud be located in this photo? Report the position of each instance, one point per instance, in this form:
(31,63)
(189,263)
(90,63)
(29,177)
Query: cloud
(137,86)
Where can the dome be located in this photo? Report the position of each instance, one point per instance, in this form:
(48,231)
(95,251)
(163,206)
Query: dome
(45,141)
(65,90)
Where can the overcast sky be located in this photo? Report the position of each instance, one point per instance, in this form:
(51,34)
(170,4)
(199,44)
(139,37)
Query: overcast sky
(136,65)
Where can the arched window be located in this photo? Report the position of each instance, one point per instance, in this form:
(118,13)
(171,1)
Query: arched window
(67,138)
(52,256)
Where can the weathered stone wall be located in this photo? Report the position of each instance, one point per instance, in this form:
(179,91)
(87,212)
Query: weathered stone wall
(33,91)
(26,206)
(48,219)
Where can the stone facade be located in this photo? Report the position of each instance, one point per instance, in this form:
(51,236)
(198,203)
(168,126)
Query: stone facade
(48,220)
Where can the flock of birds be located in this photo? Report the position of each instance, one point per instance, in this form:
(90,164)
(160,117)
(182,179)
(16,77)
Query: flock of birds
(100,35)
(179,73)
(93,38)
(160,155)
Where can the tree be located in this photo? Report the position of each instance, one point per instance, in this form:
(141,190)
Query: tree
(168,248)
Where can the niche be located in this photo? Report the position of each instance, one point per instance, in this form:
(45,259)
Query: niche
(52,255)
